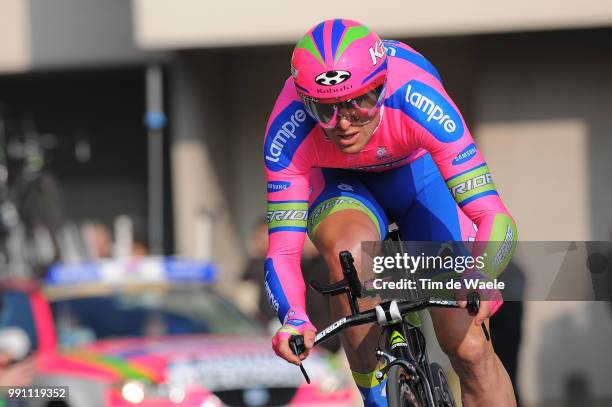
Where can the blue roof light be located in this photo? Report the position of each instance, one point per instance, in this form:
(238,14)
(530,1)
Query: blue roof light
(145,270)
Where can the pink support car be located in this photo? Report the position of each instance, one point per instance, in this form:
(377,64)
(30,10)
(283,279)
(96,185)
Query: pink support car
(151,332)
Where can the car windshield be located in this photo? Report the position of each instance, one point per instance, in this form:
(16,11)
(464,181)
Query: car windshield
(147,314)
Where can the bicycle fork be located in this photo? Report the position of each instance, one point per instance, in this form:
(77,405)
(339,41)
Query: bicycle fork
(403,351)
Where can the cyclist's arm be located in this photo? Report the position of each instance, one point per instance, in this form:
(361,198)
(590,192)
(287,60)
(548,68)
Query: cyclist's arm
(287,158)
(441,130)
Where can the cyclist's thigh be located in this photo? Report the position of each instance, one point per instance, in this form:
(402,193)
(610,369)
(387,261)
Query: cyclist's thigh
(434,215)
(340,203)
(342,214)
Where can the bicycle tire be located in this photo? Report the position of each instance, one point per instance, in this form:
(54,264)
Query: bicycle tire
(402,391)
(444,395)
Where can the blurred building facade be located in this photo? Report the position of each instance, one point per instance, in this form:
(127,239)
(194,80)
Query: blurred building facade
(531,78)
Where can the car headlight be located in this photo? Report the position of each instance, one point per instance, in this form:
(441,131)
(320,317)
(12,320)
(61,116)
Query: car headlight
(212,401)
(176,395)
(133,391)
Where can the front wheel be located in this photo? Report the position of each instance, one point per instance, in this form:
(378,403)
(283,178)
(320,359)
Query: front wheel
(444,395)
(402,391)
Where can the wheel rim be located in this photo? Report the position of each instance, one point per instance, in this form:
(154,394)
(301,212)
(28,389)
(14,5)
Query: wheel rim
(407,394)
(447,398)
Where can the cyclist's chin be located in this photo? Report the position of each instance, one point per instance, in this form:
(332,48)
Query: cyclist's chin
(351,149)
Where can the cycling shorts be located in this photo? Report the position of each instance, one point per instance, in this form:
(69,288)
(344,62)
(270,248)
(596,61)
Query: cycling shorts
(414,196)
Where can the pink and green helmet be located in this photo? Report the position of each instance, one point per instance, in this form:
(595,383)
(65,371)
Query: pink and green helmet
(337,60)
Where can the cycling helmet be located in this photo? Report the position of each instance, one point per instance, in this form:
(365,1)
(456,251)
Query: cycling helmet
(340,65)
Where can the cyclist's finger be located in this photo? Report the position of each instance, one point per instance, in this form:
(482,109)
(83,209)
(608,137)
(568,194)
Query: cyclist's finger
(309,338)
(483,312)
(284,351)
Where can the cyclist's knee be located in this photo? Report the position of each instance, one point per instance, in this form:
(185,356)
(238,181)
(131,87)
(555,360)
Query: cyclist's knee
(472,354)
(345,230)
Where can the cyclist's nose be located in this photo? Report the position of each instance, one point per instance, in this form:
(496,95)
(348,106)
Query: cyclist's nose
(343,123)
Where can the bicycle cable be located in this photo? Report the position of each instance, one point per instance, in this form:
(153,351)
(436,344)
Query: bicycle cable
(421,337)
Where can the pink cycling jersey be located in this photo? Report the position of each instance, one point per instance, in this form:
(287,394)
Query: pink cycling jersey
(418,117)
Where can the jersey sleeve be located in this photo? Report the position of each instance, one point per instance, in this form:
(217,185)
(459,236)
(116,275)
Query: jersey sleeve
(437,125)
(288,157)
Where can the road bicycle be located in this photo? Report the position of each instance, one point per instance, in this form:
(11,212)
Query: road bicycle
(412,381)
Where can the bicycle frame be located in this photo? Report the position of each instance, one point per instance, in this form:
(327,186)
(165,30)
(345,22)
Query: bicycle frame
(406,342)
(408,346)
(408,349)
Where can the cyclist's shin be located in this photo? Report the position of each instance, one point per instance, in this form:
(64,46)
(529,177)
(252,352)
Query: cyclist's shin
(372,391)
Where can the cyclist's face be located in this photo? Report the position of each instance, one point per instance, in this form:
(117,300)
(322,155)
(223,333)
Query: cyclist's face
(350,138)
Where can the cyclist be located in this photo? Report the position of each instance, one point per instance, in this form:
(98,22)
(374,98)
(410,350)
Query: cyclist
(362,135)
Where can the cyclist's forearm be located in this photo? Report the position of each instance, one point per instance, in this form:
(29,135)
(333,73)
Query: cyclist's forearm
(287,215)
(495,241)
(284,284)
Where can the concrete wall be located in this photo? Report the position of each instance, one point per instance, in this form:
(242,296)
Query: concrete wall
(201,163)
(552,85)
(160,24)
(81,32)
(221,101)
(41,34)
(544,124)
(14,39)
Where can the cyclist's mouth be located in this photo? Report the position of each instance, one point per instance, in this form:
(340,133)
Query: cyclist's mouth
(347,139)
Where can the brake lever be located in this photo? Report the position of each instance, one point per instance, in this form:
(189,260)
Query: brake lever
(486,332)
(473,306)
(296,343)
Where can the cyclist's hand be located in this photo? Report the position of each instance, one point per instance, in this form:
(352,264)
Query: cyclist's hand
(486,310)
(297,324)
(490,302)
